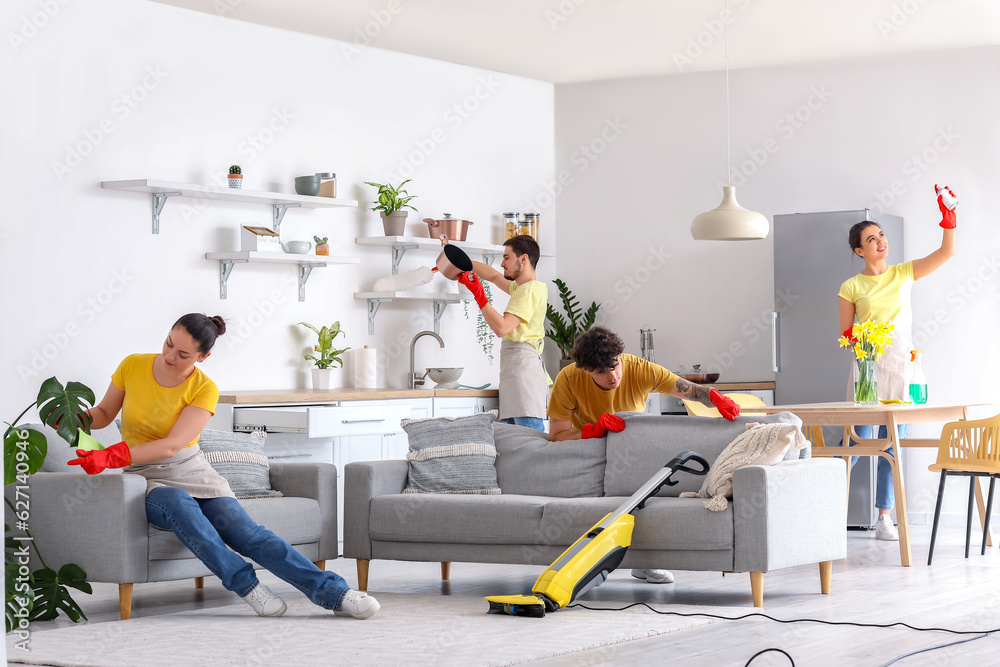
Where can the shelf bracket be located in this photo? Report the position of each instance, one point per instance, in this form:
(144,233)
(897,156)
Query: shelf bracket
(439,307)
(397,255)
(226,268)
(373,305)
(488,258)
(159,199)
(304,272)
(278,214)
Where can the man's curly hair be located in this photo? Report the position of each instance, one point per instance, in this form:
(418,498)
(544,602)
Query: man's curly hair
(597,350)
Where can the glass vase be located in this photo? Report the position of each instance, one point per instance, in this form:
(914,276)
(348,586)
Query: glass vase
(866,381)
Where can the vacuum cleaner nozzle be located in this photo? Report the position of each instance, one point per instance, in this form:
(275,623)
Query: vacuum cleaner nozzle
(517,605)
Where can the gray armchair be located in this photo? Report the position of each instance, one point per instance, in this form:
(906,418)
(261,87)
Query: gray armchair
(99,521)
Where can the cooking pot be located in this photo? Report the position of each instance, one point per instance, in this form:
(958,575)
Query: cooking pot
(452,261)
(453,228)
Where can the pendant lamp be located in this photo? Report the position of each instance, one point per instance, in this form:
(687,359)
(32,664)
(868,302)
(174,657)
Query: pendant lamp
(729,221)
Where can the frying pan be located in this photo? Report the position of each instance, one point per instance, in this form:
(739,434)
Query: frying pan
(452,261)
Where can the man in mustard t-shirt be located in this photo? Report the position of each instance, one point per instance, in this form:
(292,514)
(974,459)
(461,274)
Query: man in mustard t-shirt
(603,381)
(524,383)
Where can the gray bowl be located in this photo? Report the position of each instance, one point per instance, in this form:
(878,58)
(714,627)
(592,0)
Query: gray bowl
(307,185)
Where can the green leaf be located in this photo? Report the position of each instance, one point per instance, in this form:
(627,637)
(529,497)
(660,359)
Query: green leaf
(35,447)
(52,595)
(65,406)
(566,329)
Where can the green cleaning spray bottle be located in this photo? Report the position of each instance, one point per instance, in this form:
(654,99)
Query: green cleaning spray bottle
(918,383)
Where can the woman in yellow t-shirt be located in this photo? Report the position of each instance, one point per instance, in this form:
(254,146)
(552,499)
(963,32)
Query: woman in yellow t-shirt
(881,292)
(165,402)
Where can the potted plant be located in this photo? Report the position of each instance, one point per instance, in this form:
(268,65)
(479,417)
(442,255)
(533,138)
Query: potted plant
(45,592)
(322,247)
(235,177)
(328,355)
(565,330)
(391,201)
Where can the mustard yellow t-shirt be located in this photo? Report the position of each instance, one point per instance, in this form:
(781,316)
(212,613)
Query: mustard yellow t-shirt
(528,301)
(880,298)
(149,411)
(577,398)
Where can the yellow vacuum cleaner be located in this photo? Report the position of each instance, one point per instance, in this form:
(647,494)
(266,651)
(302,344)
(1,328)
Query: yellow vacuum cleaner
(588,561)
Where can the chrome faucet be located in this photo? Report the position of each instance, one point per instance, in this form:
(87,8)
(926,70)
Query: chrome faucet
(414,380)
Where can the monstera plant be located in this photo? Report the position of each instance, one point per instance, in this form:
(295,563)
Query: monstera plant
(42,594)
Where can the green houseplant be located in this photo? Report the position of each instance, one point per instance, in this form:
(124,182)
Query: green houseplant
(39,595)
(564,330)
(484,334)
(235,177)
(390,204)
(328,355)
(322,247)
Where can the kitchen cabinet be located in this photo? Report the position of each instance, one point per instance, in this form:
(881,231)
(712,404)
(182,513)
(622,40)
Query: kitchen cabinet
(460,407)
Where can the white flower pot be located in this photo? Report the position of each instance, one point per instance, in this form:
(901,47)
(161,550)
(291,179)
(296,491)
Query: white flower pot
(322,378)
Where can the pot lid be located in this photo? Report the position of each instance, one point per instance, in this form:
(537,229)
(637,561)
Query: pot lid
(326,174)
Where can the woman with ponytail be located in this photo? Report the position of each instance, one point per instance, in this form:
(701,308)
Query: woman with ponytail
(165,402)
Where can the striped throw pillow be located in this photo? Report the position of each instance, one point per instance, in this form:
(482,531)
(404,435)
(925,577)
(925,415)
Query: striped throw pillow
(239,457)
(452,454)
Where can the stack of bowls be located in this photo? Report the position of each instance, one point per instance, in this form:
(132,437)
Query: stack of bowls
(307,185)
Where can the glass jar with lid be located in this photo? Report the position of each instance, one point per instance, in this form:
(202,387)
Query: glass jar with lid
(511,226)
(529,225)
(328,184)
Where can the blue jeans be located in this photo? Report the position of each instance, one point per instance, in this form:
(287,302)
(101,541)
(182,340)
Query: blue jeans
(207,525)
(531,422)
(885,497)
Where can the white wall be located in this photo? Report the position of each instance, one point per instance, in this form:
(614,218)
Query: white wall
(873,125)
(86,283)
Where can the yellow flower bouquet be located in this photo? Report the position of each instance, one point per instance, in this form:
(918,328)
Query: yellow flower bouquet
(870,339)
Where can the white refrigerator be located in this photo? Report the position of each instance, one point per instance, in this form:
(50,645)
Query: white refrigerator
(811,260)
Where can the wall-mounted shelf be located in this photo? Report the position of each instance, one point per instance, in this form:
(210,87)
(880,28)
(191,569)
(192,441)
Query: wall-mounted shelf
(306,263)
(400,244)
(279,202)
(440,300)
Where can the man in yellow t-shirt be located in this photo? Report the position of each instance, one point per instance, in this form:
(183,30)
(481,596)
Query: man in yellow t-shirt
(523,380)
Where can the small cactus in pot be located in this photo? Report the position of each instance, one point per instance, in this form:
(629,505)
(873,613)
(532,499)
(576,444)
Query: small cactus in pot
(235,176)
(322,247)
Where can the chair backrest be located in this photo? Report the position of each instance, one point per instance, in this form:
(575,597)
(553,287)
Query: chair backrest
(696,409)
(970,446)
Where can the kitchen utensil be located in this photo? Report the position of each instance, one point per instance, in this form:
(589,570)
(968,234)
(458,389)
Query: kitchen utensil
(307,185)
(445,378)
(454,228)
(646,344)
(452,261)
(297,247)
(465,386)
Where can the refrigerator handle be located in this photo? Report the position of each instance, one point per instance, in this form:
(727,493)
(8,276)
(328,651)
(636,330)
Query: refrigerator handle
(775,350)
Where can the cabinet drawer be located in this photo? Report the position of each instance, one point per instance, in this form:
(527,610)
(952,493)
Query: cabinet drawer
(290,449)
(355,420)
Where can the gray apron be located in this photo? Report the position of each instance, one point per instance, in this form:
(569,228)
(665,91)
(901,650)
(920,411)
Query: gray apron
(188,470)
(524,385)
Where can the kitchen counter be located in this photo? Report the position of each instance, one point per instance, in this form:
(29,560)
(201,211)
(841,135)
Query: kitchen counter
(345,394)
(742,386)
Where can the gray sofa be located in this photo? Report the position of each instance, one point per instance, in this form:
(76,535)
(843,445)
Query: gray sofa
(788,514)
(99,521)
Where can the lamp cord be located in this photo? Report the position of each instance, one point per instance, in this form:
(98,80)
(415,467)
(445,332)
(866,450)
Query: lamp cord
(729,157)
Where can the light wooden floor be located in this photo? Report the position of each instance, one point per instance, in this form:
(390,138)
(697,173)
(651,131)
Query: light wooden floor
(869,586)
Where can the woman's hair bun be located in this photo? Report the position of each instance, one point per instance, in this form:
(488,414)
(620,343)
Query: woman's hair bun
(220,324)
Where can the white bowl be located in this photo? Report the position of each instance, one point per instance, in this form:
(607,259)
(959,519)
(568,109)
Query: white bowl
(445,378)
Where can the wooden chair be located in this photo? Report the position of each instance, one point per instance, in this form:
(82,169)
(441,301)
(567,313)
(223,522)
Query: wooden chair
(972,449)
(696,409)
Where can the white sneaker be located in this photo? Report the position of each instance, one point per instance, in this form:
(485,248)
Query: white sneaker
(357,604)
(654,576)
(264,602)
(884,530)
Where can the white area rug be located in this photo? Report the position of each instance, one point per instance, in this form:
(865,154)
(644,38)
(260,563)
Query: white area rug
(409,629)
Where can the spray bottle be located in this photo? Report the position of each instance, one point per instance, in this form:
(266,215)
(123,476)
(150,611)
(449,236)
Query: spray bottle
(918,383)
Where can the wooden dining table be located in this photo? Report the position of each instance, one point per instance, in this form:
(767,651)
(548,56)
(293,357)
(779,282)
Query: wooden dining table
(890,415)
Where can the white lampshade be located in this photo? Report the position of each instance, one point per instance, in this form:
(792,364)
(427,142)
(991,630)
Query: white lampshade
(729,221)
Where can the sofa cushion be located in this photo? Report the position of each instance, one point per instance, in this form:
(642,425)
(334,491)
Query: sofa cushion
(239,457)
(296,520)
(452,455)
(529,464)
(650,441)
(463,519)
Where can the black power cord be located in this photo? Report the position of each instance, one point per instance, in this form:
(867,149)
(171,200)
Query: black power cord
(980,633)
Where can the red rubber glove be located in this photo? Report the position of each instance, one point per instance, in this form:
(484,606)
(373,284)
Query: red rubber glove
(948,219)
(606,422)
(848,334)
(471,280)
(727,407)
(115,456)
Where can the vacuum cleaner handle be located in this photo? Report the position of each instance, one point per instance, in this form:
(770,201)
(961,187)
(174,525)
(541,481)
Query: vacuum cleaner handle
(677,463)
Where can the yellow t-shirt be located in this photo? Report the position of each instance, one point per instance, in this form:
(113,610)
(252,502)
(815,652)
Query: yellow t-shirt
(880,298)
(577,398)
(149,411)
(528,301)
